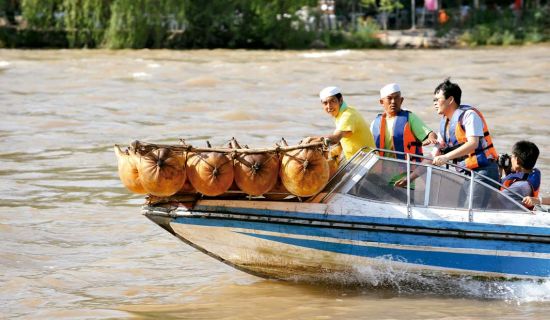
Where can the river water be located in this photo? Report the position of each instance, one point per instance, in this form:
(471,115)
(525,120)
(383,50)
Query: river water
(74,245)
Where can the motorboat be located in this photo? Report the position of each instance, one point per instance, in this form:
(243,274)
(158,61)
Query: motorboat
(446,221)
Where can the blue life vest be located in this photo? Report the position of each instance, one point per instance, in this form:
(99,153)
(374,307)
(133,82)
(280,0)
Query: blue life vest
(402,136)
(457,137)
(533,178)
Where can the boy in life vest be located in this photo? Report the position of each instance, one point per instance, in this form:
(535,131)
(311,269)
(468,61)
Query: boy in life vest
(524,179)
(464,138)
(351,130)
(397,129)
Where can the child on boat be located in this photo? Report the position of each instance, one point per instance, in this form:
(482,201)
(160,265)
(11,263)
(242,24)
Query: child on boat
(524,178)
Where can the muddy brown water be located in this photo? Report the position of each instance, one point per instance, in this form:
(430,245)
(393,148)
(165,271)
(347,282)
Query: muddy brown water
(73,244)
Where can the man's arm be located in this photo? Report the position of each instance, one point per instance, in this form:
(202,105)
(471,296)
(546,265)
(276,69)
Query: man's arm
(414,174)
(421,131)
(473,127)
(430,139)
(337,135)
(531,201)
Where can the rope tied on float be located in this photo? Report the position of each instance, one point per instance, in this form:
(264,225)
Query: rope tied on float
(240,157)
(215,169)
(256,166)
(305,162)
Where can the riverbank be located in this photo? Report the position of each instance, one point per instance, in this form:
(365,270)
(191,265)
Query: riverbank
(11,37)
(398,39)
(419,38)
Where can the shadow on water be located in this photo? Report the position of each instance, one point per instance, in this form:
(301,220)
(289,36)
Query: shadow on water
(429,298)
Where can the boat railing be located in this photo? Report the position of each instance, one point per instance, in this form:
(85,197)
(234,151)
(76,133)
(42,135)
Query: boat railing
(367,153)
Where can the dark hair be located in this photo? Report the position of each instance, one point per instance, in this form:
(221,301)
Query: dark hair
(338,96)
(526,154)
(449,89)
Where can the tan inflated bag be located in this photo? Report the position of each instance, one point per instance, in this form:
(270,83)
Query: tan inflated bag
(127,170)
(162,172)
(304,172)
(210,173)
(334,159)
(256,174)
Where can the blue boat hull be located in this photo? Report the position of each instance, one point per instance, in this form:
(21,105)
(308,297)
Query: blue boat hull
(287,245)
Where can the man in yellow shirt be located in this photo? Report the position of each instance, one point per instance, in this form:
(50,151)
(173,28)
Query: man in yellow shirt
(352,131)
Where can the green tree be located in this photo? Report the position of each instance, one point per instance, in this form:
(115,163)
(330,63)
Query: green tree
(86,21)
(244,23)
(43,14)
(8,8)
(142,23)
(385,7)
(279,26)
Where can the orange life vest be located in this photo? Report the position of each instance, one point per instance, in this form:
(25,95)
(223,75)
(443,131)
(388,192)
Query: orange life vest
(403,138)
(457,136)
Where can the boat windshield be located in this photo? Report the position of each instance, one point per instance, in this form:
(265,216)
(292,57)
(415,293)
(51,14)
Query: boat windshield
(372,176)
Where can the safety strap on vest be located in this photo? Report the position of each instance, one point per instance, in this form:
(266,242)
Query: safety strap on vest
(456,146)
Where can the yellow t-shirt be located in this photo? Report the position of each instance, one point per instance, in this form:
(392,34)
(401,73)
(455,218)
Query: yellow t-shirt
(349,119)
(388,141)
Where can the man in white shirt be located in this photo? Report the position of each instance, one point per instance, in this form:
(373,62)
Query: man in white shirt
(464,137)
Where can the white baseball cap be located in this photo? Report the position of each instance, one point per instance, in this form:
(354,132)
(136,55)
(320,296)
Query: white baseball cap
(329,92)
(389,89)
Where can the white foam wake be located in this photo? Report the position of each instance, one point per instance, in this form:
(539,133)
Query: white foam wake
(141,75)
(407,282)
(314,55)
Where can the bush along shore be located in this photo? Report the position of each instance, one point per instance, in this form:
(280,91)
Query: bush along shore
(258,24)
(501,27)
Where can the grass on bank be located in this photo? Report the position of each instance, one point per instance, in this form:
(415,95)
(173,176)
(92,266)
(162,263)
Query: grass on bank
(508,28)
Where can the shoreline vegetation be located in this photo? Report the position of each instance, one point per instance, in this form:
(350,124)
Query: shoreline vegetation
(279,24)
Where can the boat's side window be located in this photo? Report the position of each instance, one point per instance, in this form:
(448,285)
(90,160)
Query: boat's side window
(345,170)
(452,190)
(379,183)
(492,199)
(448,189)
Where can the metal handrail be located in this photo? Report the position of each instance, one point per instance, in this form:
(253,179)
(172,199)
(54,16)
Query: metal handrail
(409,210)
(471,172)
(472,175)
